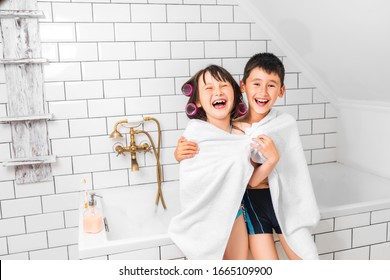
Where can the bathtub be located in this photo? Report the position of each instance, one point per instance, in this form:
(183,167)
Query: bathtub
(347,198)
(341,190)
(134,222)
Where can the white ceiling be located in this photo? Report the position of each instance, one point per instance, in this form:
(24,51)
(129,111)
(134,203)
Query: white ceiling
(343,46)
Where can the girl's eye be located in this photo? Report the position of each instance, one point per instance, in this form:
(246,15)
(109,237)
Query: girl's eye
(257,84)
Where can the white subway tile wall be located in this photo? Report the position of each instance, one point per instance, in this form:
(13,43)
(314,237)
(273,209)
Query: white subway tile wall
(115,59)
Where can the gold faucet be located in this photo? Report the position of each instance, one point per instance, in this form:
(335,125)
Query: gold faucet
(133,149)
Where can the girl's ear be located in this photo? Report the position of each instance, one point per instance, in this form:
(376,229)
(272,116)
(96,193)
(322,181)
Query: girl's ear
(282,91)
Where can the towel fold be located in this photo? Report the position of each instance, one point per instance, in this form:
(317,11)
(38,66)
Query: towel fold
(212,185)
(290,184)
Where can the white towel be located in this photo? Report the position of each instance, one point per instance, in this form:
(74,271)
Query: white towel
(290,184)
(213,182)
(212,185)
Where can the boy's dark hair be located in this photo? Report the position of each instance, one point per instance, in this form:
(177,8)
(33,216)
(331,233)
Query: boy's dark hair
(220,74)
(269,62)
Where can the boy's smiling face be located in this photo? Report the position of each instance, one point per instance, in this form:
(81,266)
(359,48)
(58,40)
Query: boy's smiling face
(262,90)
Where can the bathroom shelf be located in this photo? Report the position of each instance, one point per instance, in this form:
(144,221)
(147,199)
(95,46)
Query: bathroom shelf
(24,61)
(28,161)
(26,118)
(21,14)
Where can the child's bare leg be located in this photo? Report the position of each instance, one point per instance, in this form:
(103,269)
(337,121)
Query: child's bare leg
(262,247)
(290,253)
(237,246)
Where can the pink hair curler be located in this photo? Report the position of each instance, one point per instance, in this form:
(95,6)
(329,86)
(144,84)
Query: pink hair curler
(187,89)
(191,109)
(242,108)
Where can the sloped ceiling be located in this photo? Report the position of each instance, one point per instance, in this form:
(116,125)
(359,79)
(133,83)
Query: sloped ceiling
(346,44)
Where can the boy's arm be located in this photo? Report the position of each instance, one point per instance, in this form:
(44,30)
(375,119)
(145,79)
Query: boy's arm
(266,146)
(185,149)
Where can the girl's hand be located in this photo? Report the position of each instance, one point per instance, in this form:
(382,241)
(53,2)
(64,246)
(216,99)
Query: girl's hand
(267,148)
(185,149)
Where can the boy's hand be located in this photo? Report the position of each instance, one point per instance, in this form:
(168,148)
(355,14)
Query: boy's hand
(185,149)
(267,148)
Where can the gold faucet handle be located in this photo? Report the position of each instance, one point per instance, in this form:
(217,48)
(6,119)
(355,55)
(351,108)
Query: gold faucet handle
(146,147)
(119,149)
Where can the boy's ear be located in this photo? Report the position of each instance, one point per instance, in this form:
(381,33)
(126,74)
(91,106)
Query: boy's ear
(282,91)
(242,86)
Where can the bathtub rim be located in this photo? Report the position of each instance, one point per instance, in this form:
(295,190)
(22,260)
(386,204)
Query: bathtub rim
(99,244)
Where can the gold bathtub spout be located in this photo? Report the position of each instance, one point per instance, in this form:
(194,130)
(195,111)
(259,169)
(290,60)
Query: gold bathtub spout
(133,149)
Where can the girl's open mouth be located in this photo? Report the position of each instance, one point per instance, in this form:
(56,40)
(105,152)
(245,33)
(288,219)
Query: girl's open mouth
(219,103)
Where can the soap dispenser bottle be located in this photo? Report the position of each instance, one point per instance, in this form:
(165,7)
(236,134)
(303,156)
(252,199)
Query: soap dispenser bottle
(93,219)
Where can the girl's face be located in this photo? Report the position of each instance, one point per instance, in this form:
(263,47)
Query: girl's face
(216,98)
(262,90)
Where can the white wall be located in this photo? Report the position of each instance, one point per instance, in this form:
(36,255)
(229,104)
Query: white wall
(364,137)
(115,59)
(343,43)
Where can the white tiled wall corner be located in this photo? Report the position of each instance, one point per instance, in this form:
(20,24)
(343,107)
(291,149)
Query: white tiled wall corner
(324,155)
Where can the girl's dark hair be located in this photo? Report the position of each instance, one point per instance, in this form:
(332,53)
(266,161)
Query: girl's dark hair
(266,61)
(220,74)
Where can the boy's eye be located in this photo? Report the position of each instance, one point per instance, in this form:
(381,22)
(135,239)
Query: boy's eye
(271,85)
